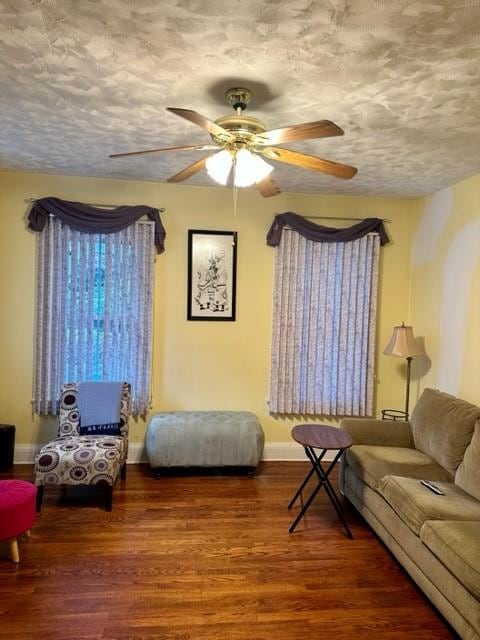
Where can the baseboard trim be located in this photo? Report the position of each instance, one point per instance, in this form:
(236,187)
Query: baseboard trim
(25,453)
(289,452)
(283,451)
(136,453)
(273,451)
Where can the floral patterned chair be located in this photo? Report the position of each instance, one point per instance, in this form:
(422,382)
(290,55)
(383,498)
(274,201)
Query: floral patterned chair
(73,459)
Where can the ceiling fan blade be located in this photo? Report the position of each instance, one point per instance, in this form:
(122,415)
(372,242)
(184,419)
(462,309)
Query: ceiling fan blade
(191,147)
(306,131)
(310,162)
(201,121)
(189,171)
(268,187)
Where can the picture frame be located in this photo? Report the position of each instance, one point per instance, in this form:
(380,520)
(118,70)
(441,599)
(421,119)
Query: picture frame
(212,275)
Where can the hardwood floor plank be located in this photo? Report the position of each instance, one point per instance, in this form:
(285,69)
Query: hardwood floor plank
(206,557)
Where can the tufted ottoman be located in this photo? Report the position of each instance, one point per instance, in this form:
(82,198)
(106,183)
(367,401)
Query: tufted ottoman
(17,512)
(204,439)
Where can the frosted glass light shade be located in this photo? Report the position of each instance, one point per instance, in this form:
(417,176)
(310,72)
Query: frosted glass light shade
(219,166)
(403,343)
(250,168)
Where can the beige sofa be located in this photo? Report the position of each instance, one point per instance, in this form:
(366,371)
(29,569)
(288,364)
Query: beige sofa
(435,537)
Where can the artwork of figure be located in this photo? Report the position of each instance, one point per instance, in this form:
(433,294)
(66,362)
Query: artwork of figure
(212,259)
(203,283)
(212,278)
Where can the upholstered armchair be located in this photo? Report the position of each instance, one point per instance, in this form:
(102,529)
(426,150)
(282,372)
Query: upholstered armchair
(73,459)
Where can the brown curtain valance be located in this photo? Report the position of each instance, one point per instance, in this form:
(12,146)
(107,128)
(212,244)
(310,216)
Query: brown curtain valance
(319,233)
(83,217)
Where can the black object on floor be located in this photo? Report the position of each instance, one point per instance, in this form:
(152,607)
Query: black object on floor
(7,446)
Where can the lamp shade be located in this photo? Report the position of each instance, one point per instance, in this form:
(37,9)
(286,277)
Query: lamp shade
(248,167)
(219,165)
(403,343)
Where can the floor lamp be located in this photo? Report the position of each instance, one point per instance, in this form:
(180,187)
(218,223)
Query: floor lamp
(404,345)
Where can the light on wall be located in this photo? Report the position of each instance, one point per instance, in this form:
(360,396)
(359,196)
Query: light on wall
(404,345)
(249,168)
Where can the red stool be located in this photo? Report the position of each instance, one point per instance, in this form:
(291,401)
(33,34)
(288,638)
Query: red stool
(17,512)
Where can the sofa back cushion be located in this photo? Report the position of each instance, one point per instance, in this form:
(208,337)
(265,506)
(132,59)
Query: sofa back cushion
(468,473)
(442,427)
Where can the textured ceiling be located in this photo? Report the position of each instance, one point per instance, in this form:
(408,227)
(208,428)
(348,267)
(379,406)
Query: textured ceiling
(80,79)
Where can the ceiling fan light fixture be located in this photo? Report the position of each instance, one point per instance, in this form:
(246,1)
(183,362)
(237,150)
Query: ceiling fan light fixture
(242,141)
(250,168)
(219,166)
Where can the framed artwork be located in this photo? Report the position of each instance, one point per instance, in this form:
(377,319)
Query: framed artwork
(212,274)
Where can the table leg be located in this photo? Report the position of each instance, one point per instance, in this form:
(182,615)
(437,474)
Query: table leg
(307,478)
(305,507)
(324,481)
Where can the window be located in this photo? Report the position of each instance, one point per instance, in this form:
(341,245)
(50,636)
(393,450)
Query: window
(324,326)
(93,310)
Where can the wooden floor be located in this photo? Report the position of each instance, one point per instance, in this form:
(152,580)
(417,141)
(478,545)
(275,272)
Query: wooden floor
(204,557)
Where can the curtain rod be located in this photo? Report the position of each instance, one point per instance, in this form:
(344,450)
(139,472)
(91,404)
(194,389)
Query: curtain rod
(339,218)
(91,204)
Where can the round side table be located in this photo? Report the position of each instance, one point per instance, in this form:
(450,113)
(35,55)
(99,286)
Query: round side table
(324,438)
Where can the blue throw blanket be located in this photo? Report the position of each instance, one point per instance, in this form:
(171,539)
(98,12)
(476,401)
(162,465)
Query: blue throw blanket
(99,402)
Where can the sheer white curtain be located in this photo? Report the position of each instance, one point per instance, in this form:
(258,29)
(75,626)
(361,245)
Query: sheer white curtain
(323,343)
(94,302)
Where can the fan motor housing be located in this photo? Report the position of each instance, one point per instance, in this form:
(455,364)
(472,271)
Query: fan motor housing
(244,128)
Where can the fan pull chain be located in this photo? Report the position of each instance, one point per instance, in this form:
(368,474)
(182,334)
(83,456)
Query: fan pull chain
(235,200)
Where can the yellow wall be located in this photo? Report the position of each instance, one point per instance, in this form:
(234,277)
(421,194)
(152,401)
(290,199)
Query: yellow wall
(197,365)
(446,289)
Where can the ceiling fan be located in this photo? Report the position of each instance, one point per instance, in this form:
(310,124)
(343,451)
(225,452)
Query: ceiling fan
(241,142)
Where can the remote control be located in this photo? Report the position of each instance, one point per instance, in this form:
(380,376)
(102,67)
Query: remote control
(432,487)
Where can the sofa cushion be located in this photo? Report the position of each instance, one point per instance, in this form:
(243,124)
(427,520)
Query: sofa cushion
(415,504)
(456,545)
(442,427)
(468,473)
(381,433)
(372,463)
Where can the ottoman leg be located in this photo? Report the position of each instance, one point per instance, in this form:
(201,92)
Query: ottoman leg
(39,497)
(14,550)
(123,471)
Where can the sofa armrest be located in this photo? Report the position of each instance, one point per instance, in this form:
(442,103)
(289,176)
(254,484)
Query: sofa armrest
(383,433)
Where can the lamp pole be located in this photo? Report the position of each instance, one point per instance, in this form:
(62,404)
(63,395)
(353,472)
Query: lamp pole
(407,393)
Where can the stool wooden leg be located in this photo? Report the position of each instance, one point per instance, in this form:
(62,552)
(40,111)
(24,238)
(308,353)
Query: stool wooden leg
(14,550)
